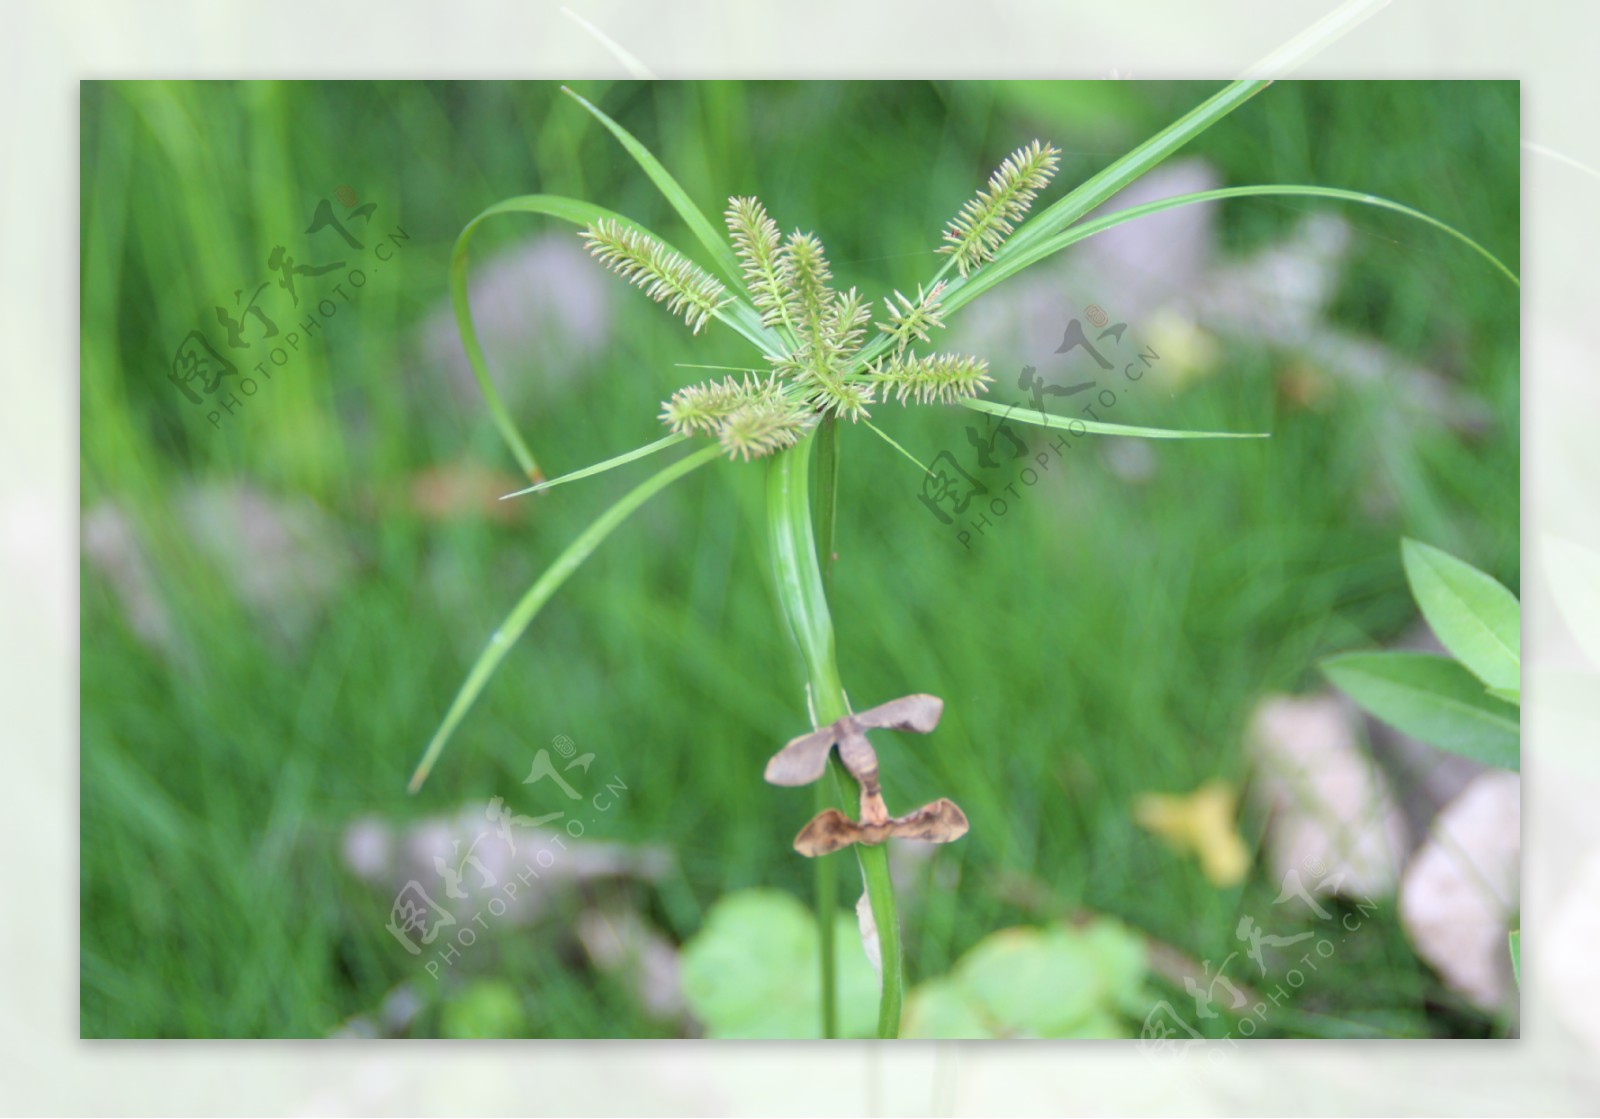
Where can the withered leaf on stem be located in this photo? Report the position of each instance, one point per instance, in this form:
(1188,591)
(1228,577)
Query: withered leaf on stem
(831,830)
(804,759)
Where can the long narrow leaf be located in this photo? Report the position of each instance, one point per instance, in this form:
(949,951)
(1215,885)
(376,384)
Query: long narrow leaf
(700,225)
(1085,197)
(537,595)
(1008,264)
(1099,187)
(601,467)
(1092,427)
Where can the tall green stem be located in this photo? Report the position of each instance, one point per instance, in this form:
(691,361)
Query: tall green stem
(805,606)
(826,871)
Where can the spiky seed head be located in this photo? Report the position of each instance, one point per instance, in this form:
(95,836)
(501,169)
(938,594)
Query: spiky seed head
(761,427)
(767,273)
(807,265)
(666,276)
(913,319)
(942,377)
(975,234)
(749,418)
(845,324)
(789,283)
(846,399)
(702,408)
(818,365)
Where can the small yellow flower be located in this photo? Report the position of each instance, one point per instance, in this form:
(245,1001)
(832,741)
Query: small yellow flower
(1201,822)
(1189,353)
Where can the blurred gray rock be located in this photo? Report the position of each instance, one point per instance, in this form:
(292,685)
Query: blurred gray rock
(284,558)
(1462,889)
(486,866)
(621,943)
(542,304)
(1327,802)
(471,853)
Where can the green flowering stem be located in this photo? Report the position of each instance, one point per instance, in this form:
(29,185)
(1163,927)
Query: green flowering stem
(805,606)
(828,791)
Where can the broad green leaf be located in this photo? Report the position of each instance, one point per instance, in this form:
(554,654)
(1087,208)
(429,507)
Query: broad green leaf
(1037,986)
(1091,427)
(544,587)
(942,1009)
(1473,616)
(1054,982)
(751,971)
(1510,695)
(1516,955)
(1434,699)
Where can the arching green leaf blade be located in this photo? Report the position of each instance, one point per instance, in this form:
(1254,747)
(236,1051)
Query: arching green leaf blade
(1093,427)
(601,467)
(695,218)
(1022,253)
(544,587)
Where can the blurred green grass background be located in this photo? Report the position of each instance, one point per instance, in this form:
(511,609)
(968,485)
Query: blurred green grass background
(1110,639)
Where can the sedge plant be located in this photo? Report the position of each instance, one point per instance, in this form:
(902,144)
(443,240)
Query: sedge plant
(824,359)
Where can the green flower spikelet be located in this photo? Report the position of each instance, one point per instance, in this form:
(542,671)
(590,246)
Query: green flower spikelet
(821,369)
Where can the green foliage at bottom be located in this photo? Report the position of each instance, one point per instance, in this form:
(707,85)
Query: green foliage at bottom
(751,972)
(1059,981)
